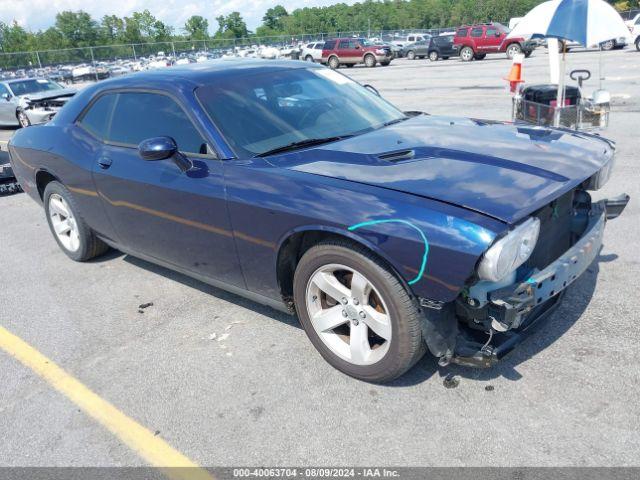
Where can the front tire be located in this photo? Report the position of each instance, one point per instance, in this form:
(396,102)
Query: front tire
(513,50)
(638,44)
(309,59)
(411,55)
(334,63)
(608,45)
(466,54)
(72,234)
(356,312)
(23,119)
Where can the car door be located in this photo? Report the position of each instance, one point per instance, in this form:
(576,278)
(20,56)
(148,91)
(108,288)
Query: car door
(477,37)
(7,106)
(156,209)
(493,39)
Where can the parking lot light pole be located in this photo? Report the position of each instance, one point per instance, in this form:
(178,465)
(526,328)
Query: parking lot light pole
(93,63)
(38,57)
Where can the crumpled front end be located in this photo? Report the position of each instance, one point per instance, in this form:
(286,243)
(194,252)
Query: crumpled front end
(42,110)
(489,319)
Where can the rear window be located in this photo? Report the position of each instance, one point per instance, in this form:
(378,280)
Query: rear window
(330,45)
(96,120)
(461,32)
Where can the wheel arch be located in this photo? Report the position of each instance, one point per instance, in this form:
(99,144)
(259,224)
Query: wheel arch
(43,178)
(297,242)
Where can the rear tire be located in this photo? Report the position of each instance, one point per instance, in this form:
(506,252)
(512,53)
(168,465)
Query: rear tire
(72,234)
(638,44)
(370,60)
(348,343)
(466,54)
(334,63)
(309,59)
(433,56)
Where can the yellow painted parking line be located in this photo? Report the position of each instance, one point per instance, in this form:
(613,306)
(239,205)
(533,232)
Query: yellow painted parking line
(153,449)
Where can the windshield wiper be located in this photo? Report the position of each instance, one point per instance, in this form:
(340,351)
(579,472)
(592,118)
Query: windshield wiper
(309,142)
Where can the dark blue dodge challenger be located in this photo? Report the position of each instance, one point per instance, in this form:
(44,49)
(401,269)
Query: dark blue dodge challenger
(388,233)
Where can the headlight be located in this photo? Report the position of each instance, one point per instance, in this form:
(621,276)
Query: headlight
(599,179)
(510,252)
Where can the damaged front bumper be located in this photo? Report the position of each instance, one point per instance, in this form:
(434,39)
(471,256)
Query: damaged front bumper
(514,310)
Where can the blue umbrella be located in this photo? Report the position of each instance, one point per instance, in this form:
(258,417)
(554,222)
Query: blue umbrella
(588,22)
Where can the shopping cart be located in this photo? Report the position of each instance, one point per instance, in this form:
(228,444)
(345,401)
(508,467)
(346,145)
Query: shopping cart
(538,105)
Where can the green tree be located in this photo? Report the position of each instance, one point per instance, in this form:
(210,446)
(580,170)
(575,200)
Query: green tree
(13,38)
(232,26)
(274,18)
(112,28)
(197,28)
(78,28)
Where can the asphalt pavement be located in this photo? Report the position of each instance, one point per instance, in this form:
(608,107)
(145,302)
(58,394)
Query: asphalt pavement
(257,393)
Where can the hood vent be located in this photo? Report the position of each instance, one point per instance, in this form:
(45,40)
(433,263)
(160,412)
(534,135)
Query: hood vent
(397,156)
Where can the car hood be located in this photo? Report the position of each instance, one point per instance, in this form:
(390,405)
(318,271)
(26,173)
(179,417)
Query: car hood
(502,170)
(63,92)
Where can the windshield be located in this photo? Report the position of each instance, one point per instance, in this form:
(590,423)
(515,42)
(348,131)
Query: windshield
(25,87)
(260,113)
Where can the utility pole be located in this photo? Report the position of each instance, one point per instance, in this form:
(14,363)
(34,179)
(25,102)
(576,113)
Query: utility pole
(93,63)
(369,32)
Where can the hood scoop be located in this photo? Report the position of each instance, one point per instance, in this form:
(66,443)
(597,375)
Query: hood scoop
(398,156)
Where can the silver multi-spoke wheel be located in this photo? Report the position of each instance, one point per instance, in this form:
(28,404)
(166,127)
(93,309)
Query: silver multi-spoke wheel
(64,223)
(348,314)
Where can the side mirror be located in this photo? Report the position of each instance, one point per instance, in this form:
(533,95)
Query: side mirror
(157,148)
(161,148)
(372,89)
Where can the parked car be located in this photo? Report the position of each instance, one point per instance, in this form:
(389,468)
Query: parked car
(383,231)
(312,52)
(416,50)
(635,34)
(442,47)
(633,22)
(476,41)
(29,101)
(409,39)
(352,51)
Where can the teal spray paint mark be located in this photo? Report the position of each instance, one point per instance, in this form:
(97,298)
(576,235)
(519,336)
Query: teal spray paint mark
(405,222)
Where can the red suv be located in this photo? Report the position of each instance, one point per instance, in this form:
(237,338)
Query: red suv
(475,41)
(351,51)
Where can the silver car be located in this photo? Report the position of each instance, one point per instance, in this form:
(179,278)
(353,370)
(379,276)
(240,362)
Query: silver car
(29,101)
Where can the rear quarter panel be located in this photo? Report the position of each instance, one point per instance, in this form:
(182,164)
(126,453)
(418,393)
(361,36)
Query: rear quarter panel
(67,153)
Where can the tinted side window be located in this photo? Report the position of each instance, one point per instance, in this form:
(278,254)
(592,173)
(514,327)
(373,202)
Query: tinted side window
(491,32)
(344,44)
(476,32)
(96,120)
(462,32)
(330,45)
(139,116)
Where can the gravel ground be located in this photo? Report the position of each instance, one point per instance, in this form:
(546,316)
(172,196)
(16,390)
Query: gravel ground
(263,396)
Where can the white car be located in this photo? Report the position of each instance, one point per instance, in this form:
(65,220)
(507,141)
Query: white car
(635,34)
(312,52)
(30,101)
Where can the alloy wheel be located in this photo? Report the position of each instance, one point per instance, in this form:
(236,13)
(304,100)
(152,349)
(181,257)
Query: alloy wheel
(23,119)
(433,56)
(64,223)
(348,314)
(466,54)
(411,55)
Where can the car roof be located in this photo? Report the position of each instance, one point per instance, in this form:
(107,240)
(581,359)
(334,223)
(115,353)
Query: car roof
(198,74)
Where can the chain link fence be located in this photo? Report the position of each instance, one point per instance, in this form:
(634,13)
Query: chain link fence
(108,53)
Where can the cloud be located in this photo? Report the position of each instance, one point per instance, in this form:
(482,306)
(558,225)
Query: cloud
(40,14)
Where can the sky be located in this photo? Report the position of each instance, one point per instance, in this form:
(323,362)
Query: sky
(40,14)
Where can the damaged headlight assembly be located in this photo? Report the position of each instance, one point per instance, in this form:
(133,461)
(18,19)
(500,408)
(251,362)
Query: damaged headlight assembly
(510,252)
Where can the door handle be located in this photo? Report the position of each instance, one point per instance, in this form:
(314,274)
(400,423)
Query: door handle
(104,162)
